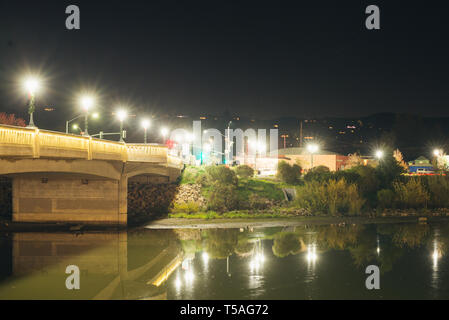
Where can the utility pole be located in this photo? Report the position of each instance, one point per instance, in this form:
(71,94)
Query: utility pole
(300,134)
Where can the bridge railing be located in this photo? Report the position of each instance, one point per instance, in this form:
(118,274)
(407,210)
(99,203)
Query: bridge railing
(35,143)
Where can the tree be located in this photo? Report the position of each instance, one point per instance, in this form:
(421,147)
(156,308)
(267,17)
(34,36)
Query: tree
(244,171)
(354,160)
(399,158)
(388,170)
(290,174)
(11,120)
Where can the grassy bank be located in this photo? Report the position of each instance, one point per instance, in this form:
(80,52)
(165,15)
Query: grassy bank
(231,193)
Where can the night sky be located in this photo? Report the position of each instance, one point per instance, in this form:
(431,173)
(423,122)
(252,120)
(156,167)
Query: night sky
(258,59)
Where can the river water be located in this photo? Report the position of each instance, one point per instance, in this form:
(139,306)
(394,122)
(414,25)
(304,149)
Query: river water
(305,262)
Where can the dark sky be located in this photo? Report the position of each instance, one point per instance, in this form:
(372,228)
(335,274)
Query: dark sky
(261,59)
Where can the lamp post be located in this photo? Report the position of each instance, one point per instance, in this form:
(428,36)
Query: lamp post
(94,115)
(86,103)
(121,115)
(145,126)
(31,85)
(164,132)
(312,148)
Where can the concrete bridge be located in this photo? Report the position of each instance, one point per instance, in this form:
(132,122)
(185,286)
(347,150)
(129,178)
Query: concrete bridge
(59,177)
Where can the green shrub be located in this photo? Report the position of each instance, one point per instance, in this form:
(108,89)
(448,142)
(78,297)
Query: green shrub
(438,187)
(367,181)
(411,194)
(244,171)
(257,202)
(385,198)
(333,197)
(287,173)
(201,179)
(221,174)
(223,197)
(190,174)
(186,207)
(319,173)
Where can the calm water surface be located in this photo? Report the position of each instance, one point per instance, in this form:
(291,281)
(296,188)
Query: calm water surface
(307,262)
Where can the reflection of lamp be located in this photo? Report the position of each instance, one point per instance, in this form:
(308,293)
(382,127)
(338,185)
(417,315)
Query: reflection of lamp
(435,255)
(378,246)
(311,253)
(178,283)
(258,258)
(205,257)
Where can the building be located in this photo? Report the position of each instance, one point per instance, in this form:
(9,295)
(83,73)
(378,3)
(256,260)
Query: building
(419,165)
(306,160)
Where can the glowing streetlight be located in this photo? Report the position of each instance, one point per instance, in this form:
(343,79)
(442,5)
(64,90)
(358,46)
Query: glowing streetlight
(145,125)
(379,154)
(31,84)
(437,152)
(164,132)
(312,148)
(86,103)
(121,115)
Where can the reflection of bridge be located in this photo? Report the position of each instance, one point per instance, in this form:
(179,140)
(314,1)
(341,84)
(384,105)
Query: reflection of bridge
(62,177)
(112,265)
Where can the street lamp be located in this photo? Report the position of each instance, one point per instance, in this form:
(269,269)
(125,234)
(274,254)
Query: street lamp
(121,115)
(312,148)
(31,84)
(437,152)
(75,127)
(86,103)
(94,115)
(145,126)
(164,132)
(379,154)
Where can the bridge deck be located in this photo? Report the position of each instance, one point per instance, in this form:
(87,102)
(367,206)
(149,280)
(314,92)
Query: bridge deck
(20,142)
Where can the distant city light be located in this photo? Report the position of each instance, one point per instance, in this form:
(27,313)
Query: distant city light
(164,131)
(379,154)
(437,152)
(95,115)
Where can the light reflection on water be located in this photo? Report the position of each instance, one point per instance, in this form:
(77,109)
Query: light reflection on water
(307,262)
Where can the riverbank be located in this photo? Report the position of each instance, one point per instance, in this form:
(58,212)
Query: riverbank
(176,223)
